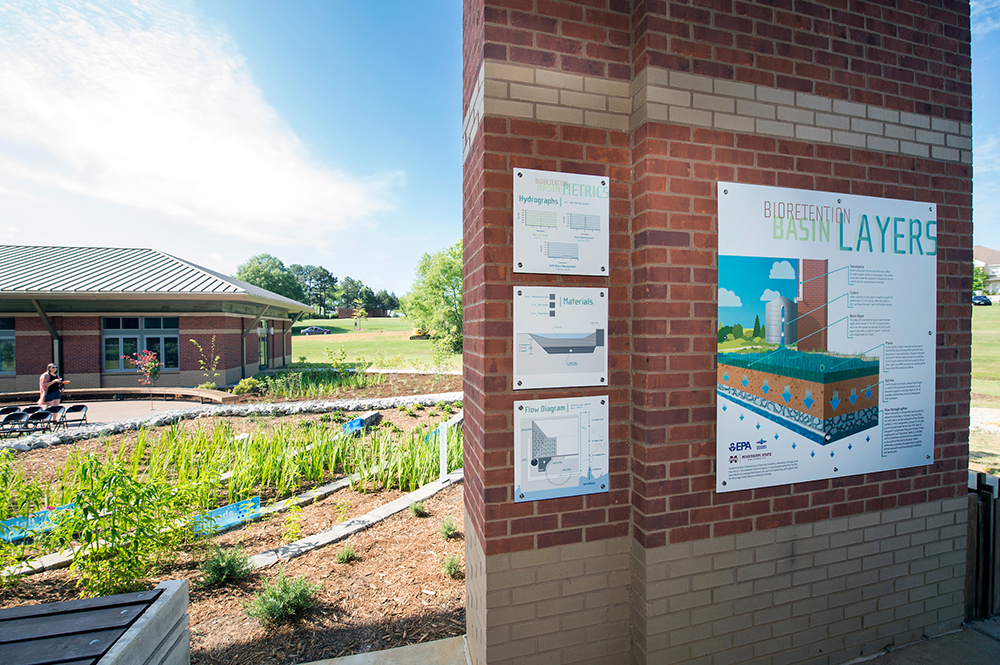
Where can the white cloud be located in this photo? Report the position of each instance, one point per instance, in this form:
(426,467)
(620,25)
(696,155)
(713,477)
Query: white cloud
(985,16)
(769,295)
(782,270)
(138,105)
(729,299)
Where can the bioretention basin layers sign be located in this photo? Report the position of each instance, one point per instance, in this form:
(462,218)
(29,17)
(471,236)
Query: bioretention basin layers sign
(826,340)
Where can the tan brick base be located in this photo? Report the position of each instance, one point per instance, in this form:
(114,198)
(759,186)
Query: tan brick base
(816,593)
(825,592)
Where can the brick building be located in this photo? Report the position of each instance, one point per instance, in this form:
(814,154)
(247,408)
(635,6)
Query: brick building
(85,307)
(666,99)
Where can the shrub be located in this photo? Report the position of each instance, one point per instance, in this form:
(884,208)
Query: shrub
(448,529)
(452,567)
(223,565)
(123,526)
(208,385)
(346,554)
(417,509)
(292,530)
(247,385)
(283,600)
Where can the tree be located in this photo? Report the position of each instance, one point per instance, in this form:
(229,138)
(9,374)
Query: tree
(318,285)
(738,331)
(269,273)
(435,300)
(756,326)
(387,301)
(348,291)
(979,278)
(367,298)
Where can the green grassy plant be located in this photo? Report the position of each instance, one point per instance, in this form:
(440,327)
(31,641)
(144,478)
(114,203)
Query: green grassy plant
(223,565)
(417,509)
(346,554)
(283,600)
(452,567)
(293,528)
(123,527)
(448,529)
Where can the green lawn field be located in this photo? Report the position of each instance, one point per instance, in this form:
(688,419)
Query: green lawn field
(986,356)
(382,341)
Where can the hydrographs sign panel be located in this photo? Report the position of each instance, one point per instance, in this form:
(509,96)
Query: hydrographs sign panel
(826,340)
(560,223)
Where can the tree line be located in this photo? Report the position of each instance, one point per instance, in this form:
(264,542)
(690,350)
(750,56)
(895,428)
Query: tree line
(312,285)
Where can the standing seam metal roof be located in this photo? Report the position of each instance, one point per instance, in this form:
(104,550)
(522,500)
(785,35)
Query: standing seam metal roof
(94,270)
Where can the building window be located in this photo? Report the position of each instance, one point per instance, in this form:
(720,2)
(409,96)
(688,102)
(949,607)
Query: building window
(159,334)
(262,344)
(7,345)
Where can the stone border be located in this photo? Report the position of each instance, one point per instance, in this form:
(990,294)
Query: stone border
(32,442)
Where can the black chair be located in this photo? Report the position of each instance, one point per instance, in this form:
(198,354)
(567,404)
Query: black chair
(9,409)
(57,416)
(76,413)
(31,409)
(39,421)
(13,424)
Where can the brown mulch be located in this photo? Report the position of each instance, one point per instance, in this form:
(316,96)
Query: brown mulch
(394,594)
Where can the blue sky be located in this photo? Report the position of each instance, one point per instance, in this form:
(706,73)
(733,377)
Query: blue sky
(321,131)
(748,283)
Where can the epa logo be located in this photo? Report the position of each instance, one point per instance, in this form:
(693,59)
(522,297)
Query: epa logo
(739,445)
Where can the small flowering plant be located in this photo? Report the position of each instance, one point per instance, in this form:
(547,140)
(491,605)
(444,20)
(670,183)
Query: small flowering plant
(148,365)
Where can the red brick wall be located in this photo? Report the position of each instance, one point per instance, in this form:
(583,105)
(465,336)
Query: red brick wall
(812,305)
(81,354)
(906,56)
(675,253)
(663,284)
(31,354)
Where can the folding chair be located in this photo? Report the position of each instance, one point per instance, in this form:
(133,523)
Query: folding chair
(13,424)
(31,409)
(57,415)
(39,421)
(77,413)
(9,409)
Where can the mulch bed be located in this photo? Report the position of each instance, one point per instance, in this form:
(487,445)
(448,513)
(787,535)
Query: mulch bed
(394,594)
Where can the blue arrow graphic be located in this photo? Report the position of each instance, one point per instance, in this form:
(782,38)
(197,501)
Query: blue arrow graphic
(725,376)
(787,395)
(808,401)
(766,388)
(744,381)
(835,402)
(868,392)
(854,396)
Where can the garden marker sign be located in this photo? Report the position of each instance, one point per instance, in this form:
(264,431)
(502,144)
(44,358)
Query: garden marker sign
(826,340)
(226,516)
(561,223)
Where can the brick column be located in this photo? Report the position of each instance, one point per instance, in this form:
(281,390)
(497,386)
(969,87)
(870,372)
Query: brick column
(668,99)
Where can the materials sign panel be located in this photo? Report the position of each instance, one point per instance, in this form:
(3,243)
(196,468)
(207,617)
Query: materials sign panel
(560,223)
(560,448)
(826,340)
(560,337)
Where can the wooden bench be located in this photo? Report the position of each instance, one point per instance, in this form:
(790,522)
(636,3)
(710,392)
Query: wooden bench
(90,394)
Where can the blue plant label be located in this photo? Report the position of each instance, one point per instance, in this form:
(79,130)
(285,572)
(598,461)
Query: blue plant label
(355,426)
(226,516)
(19,528)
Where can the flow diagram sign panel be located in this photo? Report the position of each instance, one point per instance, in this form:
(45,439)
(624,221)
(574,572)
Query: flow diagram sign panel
(560,448)
(561,223)
(560,337)
(827,333)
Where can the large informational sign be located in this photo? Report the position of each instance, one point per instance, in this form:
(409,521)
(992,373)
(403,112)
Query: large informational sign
(560,223)
(826,340)
(560,337)
(560,448)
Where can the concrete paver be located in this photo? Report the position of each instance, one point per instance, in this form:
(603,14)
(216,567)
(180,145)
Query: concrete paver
(968,647)
(439,652)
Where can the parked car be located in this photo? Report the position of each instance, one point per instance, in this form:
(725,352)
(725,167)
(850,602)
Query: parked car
(981,300)
(314,330)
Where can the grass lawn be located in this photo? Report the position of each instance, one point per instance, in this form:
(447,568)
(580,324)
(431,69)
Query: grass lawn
(384,341)
(986,356)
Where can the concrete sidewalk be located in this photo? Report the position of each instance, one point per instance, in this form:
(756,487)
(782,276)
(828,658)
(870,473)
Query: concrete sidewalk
(109,411)
(979,644)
